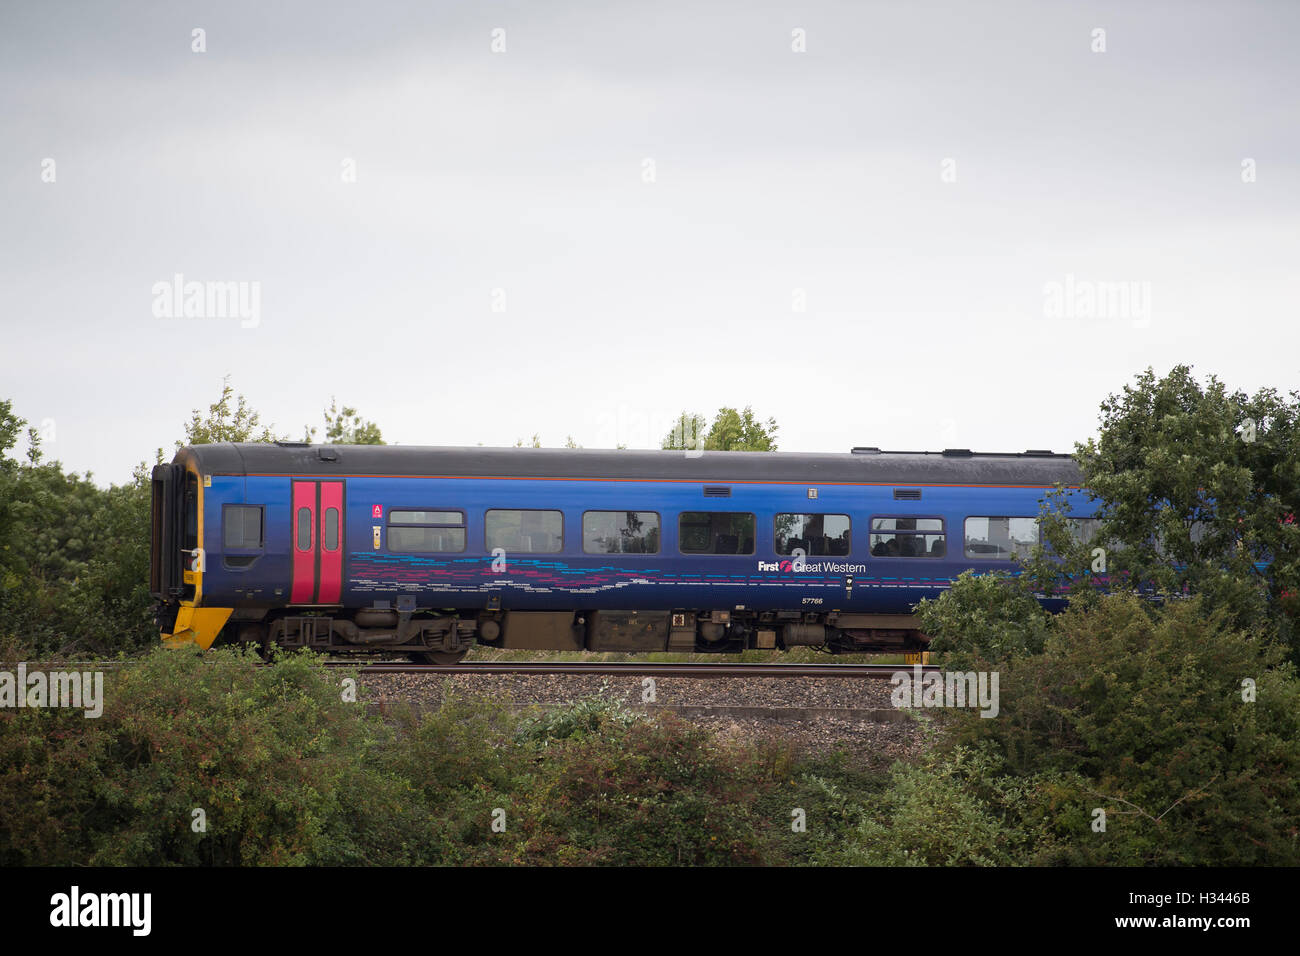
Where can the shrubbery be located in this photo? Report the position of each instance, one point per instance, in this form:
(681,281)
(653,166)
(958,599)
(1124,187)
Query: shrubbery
(286,772)
(1130,708)
(269,755)
(984,617)
(1184,731)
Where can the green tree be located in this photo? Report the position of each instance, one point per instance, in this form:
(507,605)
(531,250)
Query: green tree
(10,426)
(731,431)
(345,427)
(741,431)
(688,433)
(1196,489)
(226,422)
(74,564)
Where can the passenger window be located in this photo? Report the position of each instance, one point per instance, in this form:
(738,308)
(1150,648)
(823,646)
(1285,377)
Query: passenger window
(525,532)
(241,528)
(304,529)
(1083,531)
(814,534)
(715,532)
(1000,539)
(426,517)
(426,531)
(907,537)
(620,532)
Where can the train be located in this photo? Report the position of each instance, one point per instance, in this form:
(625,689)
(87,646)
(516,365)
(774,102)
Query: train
(426,551)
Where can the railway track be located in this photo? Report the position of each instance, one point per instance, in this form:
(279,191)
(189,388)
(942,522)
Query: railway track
(706,671)
(607,668)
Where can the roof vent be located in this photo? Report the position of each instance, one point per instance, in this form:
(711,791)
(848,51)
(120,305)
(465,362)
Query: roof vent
(866,450)
(957,453)
(907,494)
(717,491)
(1041,452)
(294,444)
(326,453)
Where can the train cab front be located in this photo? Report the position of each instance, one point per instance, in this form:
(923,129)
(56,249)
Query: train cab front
(176,556)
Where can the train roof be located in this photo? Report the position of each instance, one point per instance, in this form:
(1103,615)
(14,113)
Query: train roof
(861,466)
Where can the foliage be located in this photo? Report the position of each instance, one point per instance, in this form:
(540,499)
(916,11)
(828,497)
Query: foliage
(343,426)
(584,716)
(645,792)
(1196,489)
(688,433)
(1136,713)
(1144,707)
(731,431)
(74,565)
(288,772)
(987,617)
(10,426)
(226,423)
(271,756)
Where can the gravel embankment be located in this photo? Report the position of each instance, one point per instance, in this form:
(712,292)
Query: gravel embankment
(815,714)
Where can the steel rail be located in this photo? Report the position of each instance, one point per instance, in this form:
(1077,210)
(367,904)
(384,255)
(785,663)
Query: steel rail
(633,668)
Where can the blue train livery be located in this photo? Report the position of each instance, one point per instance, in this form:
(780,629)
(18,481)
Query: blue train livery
(425,551)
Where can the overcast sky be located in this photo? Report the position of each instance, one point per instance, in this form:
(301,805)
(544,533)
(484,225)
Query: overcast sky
(906,235)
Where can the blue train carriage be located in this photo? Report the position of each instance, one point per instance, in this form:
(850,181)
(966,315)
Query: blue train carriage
(425,551)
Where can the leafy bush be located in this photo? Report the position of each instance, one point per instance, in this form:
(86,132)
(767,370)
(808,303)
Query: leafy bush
(271,755)
(1143,708)
(985,617)
(586,715)
(287,772)
(462,763)
(639,791)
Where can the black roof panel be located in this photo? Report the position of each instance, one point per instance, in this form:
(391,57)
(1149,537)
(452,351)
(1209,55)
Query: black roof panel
(885,467)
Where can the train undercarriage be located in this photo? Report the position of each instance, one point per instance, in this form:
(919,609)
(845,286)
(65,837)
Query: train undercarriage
(446,636)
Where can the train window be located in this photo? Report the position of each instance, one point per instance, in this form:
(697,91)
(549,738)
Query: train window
(426,539)
(453,518)
(426,531)
(1083,530)
(191,514)
(620,532)
(907,537)
(1000,539)
(304,529)
(812,534)
(331,541)
(241,528)
(715,532)
(527,532)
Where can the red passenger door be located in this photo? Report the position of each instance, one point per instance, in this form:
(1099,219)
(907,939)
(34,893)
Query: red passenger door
(317,534)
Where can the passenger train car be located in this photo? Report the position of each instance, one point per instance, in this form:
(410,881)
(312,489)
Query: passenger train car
(425,551)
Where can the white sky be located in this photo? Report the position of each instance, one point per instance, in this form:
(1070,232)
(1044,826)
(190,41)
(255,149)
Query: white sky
(925,323)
